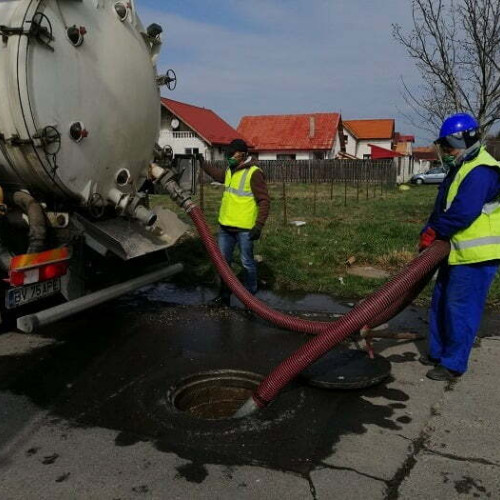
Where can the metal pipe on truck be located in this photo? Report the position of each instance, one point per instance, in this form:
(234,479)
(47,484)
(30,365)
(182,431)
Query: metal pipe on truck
(31,322)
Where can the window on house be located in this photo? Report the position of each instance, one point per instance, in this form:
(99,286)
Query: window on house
(285,157)
(346,138)
(191,151)
(319,155)
(367,157)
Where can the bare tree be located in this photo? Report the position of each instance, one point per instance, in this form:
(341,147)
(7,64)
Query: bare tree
(456,46)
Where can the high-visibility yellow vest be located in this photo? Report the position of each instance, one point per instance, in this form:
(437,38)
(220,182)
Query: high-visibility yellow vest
(481,240)
(238,207)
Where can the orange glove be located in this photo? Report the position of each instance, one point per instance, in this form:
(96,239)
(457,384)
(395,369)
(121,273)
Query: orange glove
(427,237)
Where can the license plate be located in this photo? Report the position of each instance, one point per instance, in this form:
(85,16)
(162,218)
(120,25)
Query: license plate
(25,294)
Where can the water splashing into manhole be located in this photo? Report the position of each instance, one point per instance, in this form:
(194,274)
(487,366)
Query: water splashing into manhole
(214,395)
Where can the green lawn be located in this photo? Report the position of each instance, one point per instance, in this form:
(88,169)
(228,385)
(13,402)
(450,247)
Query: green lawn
(379,231)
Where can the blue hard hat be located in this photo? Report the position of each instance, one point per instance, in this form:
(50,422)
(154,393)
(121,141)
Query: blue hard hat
(456,129)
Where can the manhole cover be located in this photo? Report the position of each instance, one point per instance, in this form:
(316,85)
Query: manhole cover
(351,369)
(214,395)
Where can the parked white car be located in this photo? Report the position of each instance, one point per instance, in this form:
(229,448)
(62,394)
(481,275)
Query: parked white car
(433,176)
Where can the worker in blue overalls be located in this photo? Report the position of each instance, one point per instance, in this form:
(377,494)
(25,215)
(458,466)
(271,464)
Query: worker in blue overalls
(467,213)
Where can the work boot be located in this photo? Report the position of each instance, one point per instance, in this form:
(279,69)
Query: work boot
(426,360)
(442,374)
(220,301)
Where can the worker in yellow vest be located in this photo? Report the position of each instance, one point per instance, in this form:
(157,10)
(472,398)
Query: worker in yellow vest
(467,213)
(243,211)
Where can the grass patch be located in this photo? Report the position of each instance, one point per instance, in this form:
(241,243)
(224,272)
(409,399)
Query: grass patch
(379,227)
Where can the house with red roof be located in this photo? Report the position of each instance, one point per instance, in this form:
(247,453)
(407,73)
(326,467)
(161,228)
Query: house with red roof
(363,136)
(426,156)
(294,137)
(189,129)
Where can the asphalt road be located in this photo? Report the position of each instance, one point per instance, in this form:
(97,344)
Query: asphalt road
(85,413)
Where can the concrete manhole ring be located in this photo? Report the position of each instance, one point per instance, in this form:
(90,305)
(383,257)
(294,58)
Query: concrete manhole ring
(213,395)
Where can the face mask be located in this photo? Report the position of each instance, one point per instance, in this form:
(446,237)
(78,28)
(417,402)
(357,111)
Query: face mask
(448,160)
(232,162)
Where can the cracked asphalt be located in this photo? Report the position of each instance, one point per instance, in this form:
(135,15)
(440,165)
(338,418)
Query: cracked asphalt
(84,413)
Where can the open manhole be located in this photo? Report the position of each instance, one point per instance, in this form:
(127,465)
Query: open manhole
(214,395)
(349,369)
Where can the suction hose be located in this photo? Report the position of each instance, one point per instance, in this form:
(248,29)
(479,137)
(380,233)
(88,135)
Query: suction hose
(423,266)
(280,319)
(382,305)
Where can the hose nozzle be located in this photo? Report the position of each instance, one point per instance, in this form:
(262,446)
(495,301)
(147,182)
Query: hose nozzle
(248,408)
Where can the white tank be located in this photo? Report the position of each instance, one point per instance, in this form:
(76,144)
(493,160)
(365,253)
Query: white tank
(85,67)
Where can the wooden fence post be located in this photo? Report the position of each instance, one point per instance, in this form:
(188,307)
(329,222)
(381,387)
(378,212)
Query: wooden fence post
(357,174)
(285,215)
(332,174)
(345,185)
(315,192)
(367,173)
(202,192)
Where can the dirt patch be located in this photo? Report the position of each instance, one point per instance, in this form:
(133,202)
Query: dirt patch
(367,272)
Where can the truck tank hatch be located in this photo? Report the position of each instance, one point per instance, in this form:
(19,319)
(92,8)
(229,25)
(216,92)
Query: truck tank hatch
(128,238)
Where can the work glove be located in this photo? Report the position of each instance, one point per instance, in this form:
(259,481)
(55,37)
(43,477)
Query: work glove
(427,237)
(255,233)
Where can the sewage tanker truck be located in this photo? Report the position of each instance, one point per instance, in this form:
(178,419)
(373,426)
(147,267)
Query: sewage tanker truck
(79,119)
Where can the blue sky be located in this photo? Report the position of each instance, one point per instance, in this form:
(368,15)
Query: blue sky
(286,56)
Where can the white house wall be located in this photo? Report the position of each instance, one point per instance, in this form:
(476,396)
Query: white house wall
(184,138)
(351,144)
(299,155)
(336,147)
(180,144)
(363,147)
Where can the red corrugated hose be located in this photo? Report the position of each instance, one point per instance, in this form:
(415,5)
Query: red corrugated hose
(376,309)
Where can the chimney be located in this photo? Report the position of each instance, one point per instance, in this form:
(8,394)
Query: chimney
(312,127)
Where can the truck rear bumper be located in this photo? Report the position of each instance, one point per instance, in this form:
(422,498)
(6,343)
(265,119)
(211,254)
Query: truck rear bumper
(32,322)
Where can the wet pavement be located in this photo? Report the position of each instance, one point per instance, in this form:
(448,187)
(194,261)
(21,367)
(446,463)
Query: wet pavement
(85,412)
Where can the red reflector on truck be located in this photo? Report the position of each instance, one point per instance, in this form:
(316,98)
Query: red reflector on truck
(33,268)
(53,271)
(16,278)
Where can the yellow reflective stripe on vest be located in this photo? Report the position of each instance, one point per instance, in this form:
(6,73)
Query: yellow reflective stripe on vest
(489,208)
(480,241)
(241,189)
(238,207)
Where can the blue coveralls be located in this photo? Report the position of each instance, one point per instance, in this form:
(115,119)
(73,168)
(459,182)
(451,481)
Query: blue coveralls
(461,290)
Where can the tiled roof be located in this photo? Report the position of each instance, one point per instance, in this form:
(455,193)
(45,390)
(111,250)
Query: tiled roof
(313,131)
(370,129)
(403,138)
(211,127)
(425,153)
